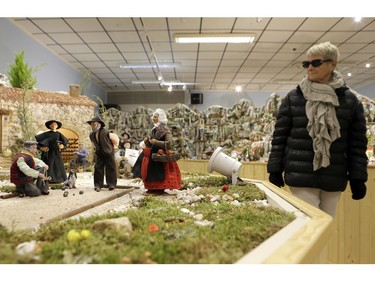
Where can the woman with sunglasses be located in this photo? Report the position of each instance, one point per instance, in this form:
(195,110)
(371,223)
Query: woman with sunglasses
(319,141)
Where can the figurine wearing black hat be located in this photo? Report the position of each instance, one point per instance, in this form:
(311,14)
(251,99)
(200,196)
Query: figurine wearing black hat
(105,144)
(125,141)
(51,143)
(25,169)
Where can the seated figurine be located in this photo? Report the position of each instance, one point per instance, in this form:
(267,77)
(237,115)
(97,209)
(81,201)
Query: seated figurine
(80,158)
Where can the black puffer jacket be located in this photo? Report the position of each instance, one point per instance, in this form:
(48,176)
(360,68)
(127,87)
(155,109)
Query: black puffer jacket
(292,147)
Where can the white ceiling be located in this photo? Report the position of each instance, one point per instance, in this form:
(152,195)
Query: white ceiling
(271,63)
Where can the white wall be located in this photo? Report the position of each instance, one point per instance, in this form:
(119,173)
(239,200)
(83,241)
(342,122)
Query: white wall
(55,74)
(228,99)
(368,91)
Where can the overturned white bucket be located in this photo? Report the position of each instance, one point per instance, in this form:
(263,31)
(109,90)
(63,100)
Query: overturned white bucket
(224,165)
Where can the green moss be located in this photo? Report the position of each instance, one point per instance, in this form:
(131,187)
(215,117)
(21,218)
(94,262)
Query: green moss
(4,177)
(234,230)
(8,188)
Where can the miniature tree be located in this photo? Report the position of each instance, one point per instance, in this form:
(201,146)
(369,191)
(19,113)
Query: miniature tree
(20,74)
(24,112)
(85,83)
(25,117)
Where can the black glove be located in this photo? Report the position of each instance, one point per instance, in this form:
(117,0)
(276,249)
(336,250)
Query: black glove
(276,179)
(358,188)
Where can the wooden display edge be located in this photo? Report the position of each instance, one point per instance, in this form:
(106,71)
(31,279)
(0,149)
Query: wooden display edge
(301,241)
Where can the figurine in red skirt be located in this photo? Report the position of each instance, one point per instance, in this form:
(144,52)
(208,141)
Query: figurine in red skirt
(158,176)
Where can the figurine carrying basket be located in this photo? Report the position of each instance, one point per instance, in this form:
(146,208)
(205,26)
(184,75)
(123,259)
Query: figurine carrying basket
(166,155)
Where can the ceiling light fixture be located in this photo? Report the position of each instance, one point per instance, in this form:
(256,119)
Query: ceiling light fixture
(149,65)
(164,83)
(238,89)
(176,83)
(146,82)
(214,38)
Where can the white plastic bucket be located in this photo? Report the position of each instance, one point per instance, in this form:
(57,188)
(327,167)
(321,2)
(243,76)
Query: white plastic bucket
(224,165)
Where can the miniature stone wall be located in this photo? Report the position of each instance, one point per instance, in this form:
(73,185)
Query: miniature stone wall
(73,112)
(243,131)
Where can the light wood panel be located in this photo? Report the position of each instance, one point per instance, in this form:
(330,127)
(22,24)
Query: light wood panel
(353,237)
(301,241)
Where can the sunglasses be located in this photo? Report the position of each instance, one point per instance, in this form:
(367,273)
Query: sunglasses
(314,63)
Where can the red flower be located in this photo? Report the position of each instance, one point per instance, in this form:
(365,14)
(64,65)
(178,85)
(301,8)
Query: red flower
(153,228)
(225,188)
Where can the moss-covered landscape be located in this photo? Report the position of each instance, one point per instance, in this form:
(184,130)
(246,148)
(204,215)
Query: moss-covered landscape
(164,231)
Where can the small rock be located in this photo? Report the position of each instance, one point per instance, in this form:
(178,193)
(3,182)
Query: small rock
(204,223)
(81,192)
(184,210)
(198,217)
(65,193)
(26,248)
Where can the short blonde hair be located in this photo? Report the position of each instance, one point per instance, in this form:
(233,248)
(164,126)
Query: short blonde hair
(326,49)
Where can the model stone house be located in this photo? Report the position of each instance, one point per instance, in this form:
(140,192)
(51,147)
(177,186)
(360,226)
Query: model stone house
(69,108)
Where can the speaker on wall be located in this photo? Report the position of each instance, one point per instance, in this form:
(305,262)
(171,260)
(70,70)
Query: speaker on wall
(196,98)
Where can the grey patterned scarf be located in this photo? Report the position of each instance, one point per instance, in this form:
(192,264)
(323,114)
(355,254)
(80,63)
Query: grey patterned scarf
(323,126)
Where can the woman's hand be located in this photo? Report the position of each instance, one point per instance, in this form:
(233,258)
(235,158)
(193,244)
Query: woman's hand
(153,141)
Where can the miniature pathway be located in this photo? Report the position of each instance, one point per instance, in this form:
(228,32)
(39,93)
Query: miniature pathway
(29,212)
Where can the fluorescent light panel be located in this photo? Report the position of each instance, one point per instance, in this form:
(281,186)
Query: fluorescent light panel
(149,65)
(146,82)
(166,83)
(162,83)
(214,38)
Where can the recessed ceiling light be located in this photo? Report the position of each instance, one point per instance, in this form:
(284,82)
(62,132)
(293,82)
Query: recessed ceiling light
(349,74)
(367,65)
(238,89)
